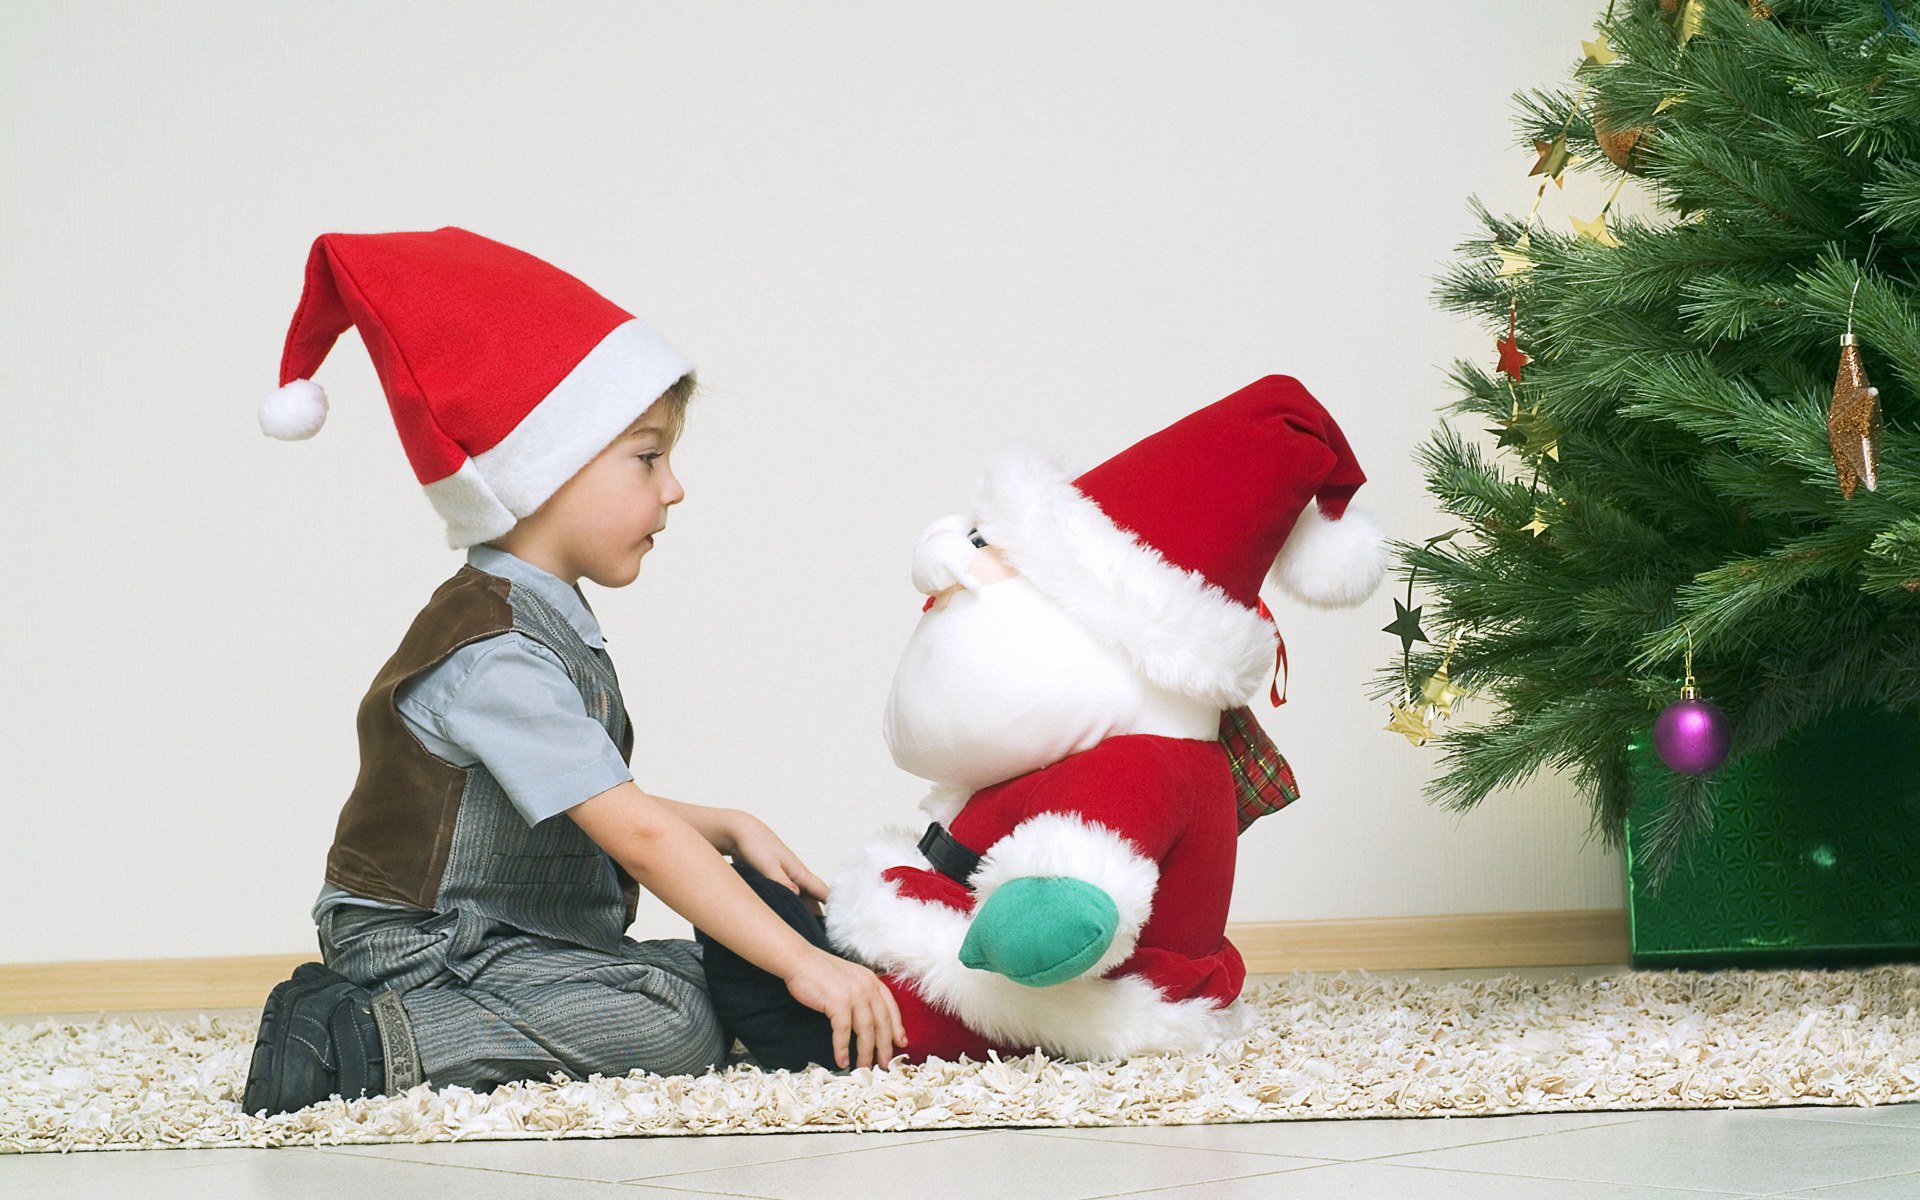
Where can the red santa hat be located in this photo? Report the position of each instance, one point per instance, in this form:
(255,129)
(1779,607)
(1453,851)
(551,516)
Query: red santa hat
(505,374)
(1162,549)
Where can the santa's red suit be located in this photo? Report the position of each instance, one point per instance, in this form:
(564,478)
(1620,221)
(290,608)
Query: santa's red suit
(1072,895)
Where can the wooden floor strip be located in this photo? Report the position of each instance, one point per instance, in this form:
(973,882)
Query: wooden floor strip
(1486,940)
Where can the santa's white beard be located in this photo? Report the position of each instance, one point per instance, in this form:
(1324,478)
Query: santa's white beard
(997,682)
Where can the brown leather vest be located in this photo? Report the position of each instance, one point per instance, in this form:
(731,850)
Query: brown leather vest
(396,830)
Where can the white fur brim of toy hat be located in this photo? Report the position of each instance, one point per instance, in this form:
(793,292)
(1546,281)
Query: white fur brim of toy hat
(1181,630)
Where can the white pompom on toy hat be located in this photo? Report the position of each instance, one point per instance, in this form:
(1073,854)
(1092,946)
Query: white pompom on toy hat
(1331,564)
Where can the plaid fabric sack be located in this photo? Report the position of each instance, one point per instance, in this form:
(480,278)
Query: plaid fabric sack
(1262,781)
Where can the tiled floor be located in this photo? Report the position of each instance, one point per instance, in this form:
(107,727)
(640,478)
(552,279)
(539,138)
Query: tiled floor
(1807,1152)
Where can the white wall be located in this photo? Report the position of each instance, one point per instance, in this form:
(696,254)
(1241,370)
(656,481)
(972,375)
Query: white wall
(893,237)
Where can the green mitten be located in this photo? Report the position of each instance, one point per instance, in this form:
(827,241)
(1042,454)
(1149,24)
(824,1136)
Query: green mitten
(1041,930)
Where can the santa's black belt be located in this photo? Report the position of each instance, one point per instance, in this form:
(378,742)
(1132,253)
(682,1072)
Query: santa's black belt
(947,855)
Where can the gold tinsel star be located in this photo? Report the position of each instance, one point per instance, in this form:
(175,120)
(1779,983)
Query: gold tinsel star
(1595,230)
(1853,422)
(1439,692)
(1554,159)
(1530,433)
(1538,525)
(1671,99)
(1598,53)
(1514,259)
(1410,723)
(1690,18)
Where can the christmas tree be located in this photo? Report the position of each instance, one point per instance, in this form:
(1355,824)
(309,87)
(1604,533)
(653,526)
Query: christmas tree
(1687,455)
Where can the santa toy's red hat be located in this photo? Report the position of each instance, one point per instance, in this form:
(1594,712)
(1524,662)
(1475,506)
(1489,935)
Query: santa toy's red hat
(505,374)
(1162,550)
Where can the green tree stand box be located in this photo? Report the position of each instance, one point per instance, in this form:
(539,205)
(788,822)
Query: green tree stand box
(1813,858)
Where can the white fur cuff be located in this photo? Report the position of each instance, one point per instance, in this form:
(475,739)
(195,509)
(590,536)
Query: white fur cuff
(1066,845)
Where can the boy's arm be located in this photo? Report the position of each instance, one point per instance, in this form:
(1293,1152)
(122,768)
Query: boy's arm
(744,836)
(716,825)
(513,707)
(673,860)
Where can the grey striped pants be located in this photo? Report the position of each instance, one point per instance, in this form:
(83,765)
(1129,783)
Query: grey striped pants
(519,1006)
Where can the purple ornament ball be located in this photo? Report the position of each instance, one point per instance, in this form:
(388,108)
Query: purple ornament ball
(1692,736)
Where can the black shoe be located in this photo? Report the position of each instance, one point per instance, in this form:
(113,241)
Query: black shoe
(317,1039)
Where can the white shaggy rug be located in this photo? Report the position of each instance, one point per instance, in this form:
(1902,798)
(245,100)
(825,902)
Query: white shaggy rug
(1347,1045)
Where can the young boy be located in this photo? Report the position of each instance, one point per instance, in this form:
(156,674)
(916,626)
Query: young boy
(489,858)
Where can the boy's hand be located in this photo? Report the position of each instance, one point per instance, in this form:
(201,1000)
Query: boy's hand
(680,862)
(856,1001)
(760,848)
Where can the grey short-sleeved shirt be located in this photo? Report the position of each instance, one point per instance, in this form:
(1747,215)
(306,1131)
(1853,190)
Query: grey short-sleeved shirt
(506,701)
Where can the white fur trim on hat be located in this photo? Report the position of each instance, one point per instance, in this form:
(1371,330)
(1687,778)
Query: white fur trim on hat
(1057,845)
(1180,629)
(294,412)
(1088,1017)
(615,382)
(469,507)
(1331,564)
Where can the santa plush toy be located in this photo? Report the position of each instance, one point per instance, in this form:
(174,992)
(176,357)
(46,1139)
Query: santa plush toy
(1076,691)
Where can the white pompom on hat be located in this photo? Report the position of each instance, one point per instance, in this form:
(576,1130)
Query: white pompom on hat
(295,411)
(1331,564)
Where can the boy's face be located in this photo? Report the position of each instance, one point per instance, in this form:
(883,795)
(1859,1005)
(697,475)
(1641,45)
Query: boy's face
(602,521)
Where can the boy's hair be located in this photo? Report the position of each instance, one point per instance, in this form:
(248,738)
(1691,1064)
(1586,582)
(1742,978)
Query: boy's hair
(675,399)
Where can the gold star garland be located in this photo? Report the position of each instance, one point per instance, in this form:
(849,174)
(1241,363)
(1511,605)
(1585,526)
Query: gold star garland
(1415,718)
(1532,435)
(1529,432)
(1554,158)
(1414,715)
(1516,258)
(1596,230)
